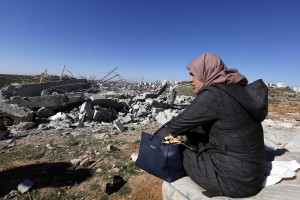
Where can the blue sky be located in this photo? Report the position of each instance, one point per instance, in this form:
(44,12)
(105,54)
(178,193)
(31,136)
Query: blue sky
(150,39)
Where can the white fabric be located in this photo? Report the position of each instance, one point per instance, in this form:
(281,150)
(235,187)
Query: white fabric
(278,170)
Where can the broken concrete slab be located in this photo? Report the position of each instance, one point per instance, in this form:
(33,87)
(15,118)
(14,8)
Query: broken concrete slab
(7,92)
(16,112)
(101,100)
(145,96)
(24,126)
(152,95)
(44,112)
(35,89)
(85,107)
(49,101)
(61,89)
(81,118)
(171,95)
(57,116)
(103,114)
(163,88)
(90,114)
(96,115)
(159,104)
(107,117)
(166,116)
(119,126)
(127,118)
(96,97)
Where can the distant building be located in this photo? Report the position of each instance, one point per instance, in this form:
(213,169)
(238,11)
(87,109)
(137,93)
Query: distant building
(296,89)
(280,85)
(270,84)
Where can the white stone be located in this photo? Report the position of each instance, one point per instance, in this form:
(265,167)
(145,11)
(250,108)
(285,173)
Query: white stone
(75,162)
(25,186)
(57,116)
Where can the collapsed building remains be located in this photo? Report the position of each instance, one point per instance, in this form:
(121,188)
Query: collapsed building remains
(77,102)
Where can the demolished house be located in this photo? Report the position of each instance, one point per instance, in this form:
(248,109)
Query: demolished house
(76,103)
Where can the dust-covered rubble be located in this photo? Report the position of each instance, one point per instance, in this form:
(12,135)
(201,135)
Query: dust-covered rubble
(279,130)
(81,104)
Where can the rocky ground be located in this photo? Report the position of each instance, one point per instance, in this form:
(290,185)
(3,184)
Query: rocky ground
(78,163)
(44,157)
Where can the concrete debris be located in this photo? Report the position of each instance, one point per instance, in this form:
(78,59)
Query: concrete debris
(85,107)
(57,116)
(11,194)
(166,116)
(16,112)
(44,112)
(35,89)
(22,126)
(171,96)
(49,101)
(59,105)
(126,119)
(25,186)
(119,126)
(185,100)
(152,94)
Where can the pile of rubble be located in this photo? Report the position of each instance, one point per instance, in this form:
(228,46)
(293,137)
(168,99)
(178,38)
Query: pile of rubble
(76,103)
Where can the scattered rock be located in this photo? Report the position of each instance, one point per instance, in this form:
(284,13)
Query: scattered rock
(25,186)
(85,162)
(24,126)
(75,162)
(99,170)
(11,194)
(50,146)
(111,147)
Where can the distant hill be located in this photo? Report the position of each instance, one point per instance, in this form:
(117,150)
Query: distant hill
(7,79)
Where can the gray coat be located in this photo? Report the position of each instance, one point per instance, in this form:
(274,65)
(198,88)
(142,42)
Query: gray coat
(224,121)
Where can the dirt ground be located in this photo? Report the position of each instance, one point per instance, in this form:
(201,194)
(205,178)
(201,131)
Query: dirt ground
(44,157)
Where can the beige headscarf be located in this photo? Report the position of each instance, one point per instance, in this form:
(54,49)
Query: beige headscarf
(209,68)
